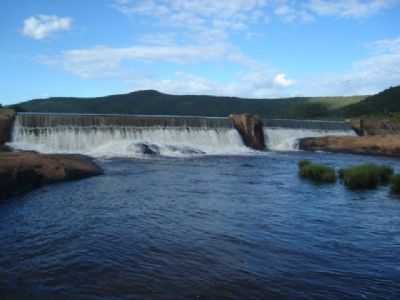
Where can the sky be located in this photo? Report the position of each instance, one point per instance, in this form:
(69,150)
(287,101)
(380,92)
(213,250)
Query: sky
(245,48)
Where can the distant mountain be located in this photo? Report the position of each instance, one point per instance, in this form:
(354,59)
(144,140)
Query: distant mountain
(385,103)
(152,102)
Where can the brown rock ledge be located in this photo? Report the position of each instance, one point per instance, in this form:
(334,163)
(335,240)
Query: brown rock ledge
(250,129)
(6,122)
(388,145)
(21,172)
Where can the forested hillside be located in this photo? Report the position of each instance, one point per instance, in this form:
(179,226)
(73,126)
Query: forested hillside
(156,103)
(386,103)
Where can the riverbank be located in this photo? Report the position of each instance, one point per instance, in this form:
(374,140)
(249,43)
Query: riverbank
(21,172)
(383,145)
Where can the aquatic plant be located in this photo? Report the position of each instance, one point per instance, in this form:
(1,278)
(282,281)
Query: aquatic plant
(304,163)
(317,172)
(386,174)
(395,184)
(365,176)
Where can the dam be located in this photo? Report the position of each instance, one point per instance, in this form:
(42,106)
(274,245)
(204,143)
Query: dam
(134,135)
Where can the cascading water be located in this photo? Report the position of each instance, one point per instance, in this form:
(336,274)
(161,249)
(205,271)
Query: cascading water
(284,134)
(138,136)
(125,141)
(286,139)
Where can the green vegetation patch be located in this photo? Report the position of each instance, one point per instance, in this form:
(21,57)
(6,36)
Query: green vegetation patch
(304,163)
(382,105)
(317,172)
(366,176)
(395,188)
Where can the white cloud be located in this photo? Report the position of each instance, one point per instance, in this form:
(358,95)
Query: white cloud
(281,80)
(101,61)
(251,85)
(199,15)
(386,46)
(107,61)
(208,24)
(290,13)
(380,69)
(234,15)
(161,39)
(349,8)
(251,79)
(41,26)
(372,74)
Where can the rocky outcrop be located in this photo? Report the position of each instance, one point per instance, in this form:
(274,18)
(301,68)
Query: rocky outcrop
(388,145)
(6,123)
(21,172)
(370,127)
(356,126)
(250,129)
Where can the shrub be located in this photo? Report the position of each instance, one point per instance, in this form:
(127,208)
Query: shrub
(341,174)
(386,174)
(304,163)
(317,172)
(396,184)
(366,176)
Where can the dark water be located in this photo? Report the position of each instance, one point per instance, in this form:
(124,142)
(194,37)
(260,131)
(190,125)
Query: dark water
(202,228)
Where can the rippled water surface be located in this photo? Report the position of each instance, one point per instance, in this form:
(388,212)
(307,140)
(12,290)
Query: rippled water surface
(242,227)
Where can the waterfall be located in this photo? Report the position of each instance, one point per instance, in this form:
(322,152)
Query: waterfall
(113,136)
(284,134)
(138,136)
(287,139)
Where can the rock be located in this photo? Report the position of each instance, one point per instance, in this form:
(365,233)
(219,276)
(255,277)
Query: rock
(21,172)
(356,125)
(145,149)
(149,149)
(5,148)
(6,122)
(388,145)
(250,129)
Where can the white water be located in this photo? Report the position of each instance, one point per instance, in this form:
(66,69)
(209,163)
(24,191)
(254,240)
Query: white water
(284,139)
(120,141)
(116,141)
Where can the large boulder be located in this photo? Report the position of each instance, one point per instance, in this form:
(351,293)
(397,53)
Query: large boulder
(23,171)
(250,129)
(6,122)
(388,145)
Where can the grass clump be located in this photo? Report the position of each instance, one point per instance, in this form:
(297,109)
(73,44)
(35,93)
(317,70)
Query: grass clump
(316,172)
(366,176)
(395,188)
(304,163)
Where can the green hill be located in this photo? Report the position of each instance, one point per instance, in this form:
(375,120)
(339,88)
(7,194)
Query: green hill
(386,103)
(155,103)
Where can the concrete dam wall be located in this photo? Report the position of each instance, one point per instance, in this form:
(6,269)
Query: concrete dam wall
(37,120)
(307,124)
(87,120)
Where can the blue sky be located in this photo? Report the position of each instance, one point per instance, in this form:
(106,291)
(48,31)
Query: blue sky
(248,48)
